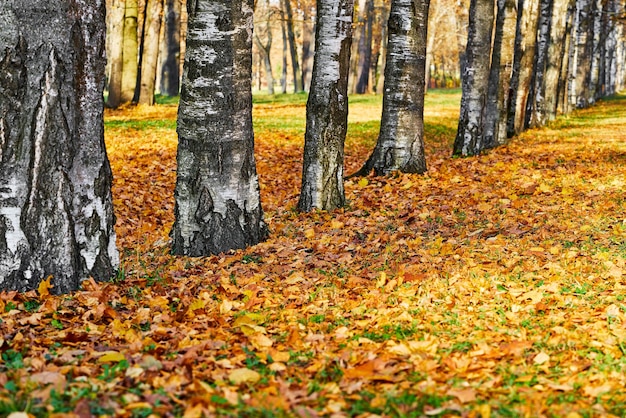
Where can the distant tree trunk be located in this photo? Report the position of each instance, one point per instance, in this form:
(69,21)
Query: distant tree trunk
(470,135)
(381,64)
(562,104)
(217,190)
(365,50)
(56,211)
(283,26)
(308,29)
(327,108)
(525,42)
(461,19)
(115,52)
(535,106)
(265,49)
(170,76)
(378,32)
(400,145)
(293,47)
(581,95)
(557,52)
(500,76)
(131,50)
(154,13)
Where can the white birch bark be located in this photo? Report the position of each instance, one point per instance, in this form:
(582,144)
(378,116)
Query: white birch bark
(475,79)
(400,145)
(56,212)
(217,190)
(327,108)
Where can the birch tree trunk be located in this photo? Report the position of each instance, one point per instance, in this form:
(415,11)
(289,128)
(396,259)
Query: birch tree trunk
(283,28)
(536,114)
(365,50)
(265,49)
(475,80)
(525,42)
(115,52)
(56,212)
(170,75)
(327,108)
(293,47)
(131,51)
(308,29)
(150,56)
(400,145)
(217,190)
(500,74)
(557,53)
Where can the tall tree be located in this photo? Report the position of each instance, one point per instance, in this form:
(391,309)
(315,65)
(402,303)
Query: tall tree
(365,49)
(400,145)
(475,79)
(217,190)
(170,74)
(525,43)
(308,29)
(327,108)
(265,49)
(150,51)
(56,212)
(131,51)
(115,51)
(293,48)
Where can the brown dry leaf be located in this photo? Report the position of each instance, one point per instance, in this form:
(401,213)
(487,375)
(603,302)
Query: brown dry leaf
(244,375)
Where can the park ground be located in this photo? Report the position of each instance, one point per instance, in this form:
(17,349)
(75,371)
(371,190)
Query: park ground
(492,286)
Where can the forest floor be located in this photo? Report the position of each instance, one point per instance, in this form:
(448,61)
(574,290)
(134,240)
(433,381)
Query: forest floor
(489,287)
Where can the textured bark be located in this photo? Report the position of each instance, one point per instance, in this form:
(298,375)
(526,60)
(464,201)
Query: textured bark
(475,80)
(525,43)
(115,51)
(327,108)
(400,145)
(500,74)
(293,47)
(131,48)
(56,212)
(217,190)
(170,75)
(584,47)
(536,114)
(283,75)
(557,53)
(150,51)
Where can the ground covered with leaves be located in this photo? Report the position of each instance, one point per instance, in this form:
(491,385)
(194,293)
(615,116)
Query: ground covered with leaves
(492,286)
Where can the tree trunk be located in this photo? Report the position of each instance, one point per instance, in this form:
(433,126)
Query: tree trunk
(525,42)
(115,52)
(218,207)
(535,107)
(293,47)
(170,76)
(400,145)
(381,64)
(327,108)
(461,20)
(365,51)
(556,54)
(500,75)
(308,29)
(131,50)
(283,27)
(470,136)
(154,14)
(266,49)
(584,36)
(56,212)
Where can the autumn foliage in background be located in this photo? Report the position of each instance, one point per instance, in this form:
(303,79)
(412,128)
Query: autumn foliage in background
(491,286)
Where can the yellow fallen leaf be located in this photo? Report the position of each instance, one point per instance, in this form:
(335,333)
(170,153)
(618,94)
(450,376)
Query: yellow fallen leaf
(337,225)
(309,233)
(382,280)
(111,357)
(541,358)
(244,375)
(363,182)
(44,287)
(463,395)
